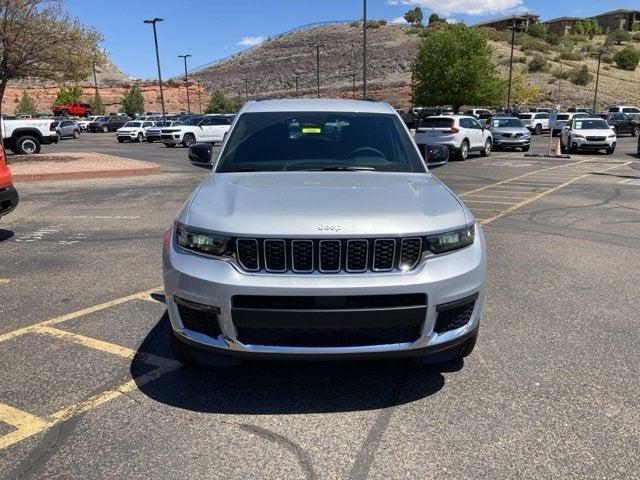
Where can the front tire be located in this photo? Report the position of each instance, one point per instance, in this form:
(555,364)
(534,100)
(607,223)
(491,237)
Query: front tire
(636,131)
(526,148)
(120,140)
(76,134)
(140,137)
(487,148)
(609,151)
(538,129)
(27,145)
(463,153)
(188,140)
(105,129)
(169,145)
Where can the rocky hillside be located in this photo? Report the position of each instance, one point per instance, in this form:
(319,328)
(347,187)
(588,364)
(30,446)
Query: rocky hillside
(271,68)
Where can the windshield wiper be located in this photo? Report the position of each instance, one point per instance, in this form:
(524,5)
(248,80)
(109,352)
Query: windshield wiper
(340,168)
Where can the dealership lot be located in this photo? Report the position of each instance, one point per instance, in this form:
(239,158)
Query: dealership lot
(91,389)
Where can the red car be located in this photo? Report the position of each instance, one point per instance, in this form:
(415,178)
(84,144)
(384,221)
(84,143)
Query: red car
(73,109)
(8,193)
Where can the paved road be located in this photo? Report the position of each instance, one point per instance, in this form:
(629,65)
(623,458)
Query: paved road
(89,390)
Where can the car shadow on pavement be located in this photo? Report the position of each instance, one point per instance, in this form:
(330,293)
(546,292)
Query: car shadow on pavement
(278,387)
(5,234)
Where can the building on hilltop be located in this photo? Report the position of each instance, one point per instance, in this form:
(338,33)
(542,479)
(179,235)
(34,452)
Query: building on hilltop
(621,18)
(520,22)
(560,26)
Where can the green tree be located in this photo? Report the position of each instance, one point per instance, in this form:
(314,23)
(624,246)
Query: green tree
(522,92)
(40,40)
(26,104)
(618,35)
(97,106)
(68,94)
(434,18)
(132,101)
(414,17)
(627,58)
(578,28)
(219,103)
(453,67)
(537,30)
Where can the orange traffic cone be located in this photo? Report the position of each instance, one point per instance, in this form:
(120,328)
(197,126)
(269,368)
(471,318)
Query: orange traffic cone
(558,148)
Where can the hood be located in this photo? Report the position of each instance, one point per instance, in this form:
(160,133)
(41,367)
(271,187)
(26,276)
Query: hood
(323,204)
(521,130)
(128,129)
(595,132)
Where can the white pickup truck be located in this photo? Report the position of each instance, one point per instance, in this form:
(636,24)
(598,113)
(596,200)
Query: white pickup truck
(25,136)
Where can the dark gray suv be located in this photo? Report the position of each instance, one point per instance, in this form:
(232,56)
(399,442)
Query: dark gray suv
(107,123)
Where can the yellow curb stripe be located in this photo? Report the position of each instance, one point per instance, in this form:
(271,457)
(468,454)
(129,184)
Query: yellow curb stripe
(76,314)
(25,424)
(540,195)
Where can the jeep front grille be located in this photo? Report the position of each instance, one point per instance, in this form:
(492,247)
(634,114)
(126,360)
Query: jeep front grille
(328,256)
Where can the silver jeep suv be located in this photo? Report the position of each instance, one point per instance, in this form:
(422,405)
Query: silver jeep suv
(320,233)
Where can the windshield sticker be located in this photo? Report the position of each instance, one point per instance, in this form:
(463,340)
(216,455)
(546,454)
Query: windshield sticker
(311,130)
(578,125)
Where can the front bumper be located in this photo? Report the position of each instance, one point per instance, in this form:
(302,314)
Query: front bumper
(511,142)
(443,279)
(583,144)
(127,136)
(8,200)
(171,139)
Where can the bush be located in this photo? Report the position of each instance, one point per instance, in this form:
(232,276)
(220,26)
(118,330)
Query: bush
(607,58)
(580,76)
(561,74)
(552,39)
(569,55)
(529,43)
(496,35)
(636,36)
(26,104)
(618,35)
(412,30)
(376,23)
(537,30)
(627,58)
(537,64)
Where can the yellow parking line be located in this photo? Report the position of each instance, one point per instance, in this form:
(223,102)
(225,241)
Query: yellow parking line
(88,341)
(471,200)
(542,194)
(495,196)
(523,175)
(4,280)
(25,424)
(76,314)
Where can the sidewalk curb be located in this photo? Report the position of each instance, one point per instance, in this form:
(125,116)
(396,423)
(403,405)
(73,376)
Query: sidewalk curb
(124,172)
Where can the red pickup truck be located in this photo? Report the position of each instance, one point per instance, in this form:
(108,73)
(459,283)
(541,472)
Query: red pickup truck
(73,109)
(8,193)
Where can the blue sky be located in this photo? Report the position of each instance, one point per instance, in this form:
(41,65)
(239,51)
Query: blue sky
(212,29)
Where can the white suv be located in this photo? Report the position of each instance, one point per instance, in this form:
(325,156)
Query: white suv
(536,122)
(587,134)
(206,129)
(461,133)
(133,131)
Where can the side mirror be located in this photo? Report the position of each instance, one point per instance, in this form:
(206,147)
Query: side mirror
(435,155)
(201,154)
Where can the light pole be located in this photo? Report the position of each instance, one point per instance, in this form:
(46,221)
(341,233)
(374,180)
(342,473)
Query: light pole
(513,38)
(155,38)
(95,82)
(364,50)
(186,79)
(595,95)
(317,47)
(199,96)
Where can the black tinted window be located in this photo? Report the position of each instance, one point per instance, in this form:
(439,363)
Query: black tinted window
(437,122)
(280,141)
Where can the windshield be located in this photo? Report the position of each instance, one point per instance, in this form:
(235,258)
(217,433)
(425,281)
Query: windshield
(132,124)
(525,116)
(192,121)
(297,141)
(590,125)
(506,122)
(101,119)
(563,116)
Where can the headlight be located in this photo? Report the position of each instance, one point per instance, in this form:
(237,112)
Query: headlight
(448,241)
(613,135)
(577,135)
(201,242)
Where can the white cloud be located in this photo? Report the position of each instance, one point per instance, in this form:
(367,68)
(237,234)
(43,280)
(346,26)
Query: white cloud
(399,20)
(467,7)
(393,2)
(251,41)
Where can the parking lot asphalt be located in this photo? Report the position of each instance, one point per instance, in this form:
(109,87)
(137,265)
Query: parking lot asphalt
(89,388)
